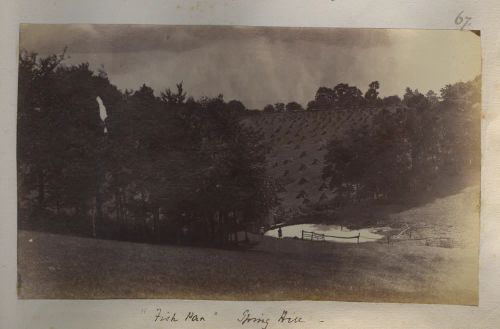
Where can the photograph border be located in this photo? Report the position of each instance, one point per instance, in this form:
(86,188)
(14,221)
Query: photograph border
(390,14)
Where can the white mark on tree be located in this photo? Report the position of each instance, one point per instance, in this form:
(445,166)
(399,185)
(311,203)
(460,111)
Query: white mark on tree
(103,114)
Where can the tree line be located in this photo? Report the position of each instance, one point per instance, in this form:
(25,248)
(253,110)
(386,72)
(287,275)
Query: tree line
(411,148)
(342,96)
(170,168)
(159,168)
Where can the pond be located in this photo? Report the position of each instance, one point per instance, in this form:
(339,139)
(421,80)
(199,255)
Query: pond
(366,234)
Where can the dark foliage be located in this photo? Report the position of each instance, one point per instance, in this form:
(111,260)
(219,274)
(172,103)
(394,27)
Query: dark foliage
(156,169)
(407,149)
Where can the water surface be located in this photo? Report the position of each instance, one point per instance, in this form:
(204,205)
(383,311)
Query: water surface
(366,234)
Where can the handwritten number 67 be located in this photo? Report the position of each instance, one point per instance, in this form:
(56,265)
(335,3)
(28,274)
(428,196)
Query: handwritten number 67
(460,19)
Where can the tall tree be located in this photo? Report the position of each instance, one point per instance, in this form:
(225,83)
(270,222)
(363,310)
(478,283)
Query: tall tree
(293,107)
(371,95)
(269,108)
(279,107)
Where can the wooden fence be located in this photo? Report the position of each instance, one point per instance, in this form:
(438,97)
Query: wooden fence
(313,236)
(429,241)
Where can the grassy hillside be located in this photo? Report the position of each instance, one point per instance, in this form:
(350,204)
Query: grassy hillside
(57,266)
(298,141)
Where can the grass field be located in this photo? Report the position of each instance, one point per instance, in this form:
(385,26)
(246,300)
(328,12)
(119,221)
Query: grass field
(58,266)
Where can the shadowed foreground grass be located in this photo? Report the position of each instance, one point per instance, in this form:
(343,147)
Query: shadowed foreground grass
(54,266)
(58,266)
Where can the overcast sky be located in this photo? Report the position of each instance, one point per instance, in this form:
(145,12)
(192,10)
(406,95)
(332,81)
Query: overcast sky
(263,65)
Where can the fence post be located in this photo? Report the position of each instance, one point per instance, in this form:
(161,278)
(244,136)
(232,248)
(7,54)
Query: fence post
(388,237)
(312,236)
(359,234)
(302,237)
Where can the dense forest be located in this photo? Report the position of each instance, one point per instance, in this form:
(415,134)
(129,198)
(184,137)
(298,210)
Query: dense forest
(410,144)
(165,168)
(170,168)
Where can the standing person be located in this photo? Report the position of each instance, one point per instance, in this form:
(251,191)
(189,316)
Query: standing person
(280,232)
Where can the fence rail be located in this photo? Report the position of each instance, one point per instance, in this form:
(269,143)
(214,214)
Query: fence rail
(313,236)
(439,241)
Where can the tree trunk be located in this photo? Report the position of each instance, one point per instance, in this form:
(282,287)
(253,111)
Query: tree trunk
(225,235)
(117,207)
(212,228)
(234,227)
(57,205)
(41,189)
(94,231)
(98,211)
(123,208)
(156,223)
(220,228)
(120,213)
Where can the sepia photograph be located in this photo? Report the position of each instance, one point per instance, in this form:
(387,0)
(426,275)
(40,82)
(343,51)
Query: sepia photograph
(248,163)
